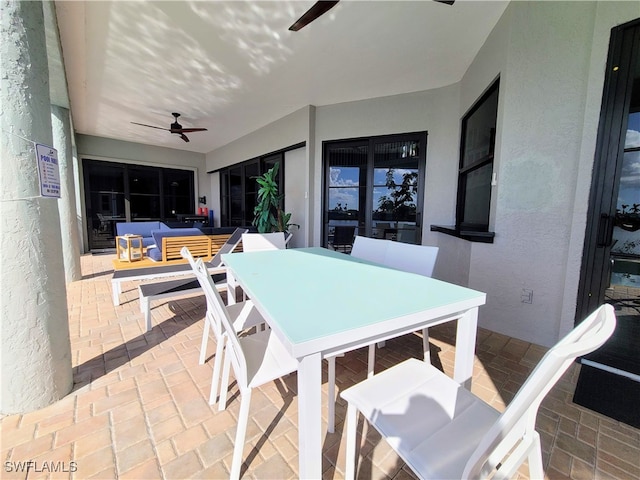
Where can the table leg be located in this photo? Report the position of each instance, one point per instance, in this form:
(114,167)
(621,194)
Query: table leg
(116,289)
(231,288)
(465,347)
(310,416)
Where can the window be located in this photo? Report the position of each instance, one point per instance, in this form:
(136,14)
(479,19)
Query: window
(239,189)
(375,186)
(476,163)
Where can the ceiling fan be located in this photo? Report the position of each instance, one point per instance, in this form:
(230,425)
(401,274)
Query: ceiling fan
(175,128)
(322,7)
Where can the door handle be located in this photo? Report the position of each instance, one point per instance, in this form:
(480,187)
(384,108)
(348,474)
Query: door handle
(605,230)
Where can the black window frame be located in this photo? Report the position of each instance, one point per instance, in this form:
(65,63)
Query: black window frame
(477,231)
(247,190)
(366,185)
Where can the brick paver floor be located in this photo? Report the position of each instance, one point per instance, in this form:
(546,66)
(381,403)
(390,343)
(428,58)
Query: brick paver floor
(139,405)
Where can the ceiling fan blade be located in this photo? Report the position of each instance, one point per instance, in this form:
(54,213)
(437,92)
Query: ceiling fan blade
(187,130)
(318,8)
(175,128)
(150,126)
(448,2)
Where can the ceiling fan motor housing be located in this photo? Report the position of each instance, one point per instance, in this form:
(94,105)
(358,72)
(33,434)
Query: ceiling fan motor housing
(175,125)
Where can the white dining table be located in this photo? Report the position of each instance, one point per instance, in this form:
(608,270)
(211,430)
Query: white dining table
(320,302)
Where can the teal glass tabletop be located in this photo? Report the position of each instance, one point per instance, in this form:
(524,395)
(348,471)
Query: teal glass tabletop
(314,292)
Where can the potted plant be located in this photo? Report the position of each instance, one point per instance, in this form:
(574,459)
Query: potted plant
(268,215)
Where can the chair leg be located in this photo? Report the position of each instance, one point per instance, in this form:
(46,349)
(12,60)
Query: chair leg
(146,310)
(425,345)
(217,366)
(372,360)
(205,340)
(116,290)
(331,415)
(241,429)
(224,384)
(352,425)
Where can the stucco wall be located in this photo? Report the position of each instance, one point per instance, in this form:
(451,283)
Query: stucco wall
(283,133)
(292,129)
(544,52)
(547,67)
(296,194)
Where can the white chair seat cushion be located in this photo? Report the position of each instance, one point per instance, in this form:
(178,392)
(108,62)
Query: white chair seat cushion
(266,357)
(430,420)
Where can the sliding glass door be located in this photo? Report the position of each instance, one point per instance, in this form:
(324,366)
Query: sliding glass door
(118,192)
(374,186)
(104,200)
(239,189)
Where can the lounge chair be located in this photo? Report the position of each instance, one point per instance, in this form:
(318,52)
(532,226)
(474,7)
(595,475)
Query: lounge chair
(176,270)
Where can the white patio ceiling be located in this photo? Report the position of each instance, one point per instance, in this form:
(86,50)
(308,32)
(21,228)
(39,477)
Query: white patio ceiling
(233,67)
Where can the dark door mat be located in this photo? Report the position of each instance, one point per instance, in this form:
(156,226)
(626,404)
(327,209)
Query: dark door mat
(609,394)
(621,350)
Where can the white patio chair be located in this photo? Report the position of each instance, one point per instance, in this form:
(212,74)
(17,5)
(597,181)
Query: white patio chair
(255,242)
(420,259)
(243,317)
(441,430)
(257,359)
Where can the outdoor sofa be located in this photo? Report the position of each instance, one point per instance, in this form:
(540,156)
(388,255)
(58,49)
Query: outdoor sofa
(214,240)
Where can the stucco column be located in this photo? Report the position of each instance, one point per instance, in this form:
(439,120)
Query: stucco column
(61,129)
(34,342)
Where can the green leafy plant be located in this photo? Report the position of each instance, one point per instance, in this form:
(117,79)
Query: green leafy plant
(268,216)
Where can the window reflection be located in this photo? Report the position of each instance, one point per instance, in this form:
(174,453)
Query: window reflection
(373,184)
(395,191)
(478,196)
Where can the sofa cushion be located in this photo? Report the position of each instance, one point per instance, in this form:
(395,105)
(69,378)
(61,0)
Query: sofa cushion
(155,252)
(139,228)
